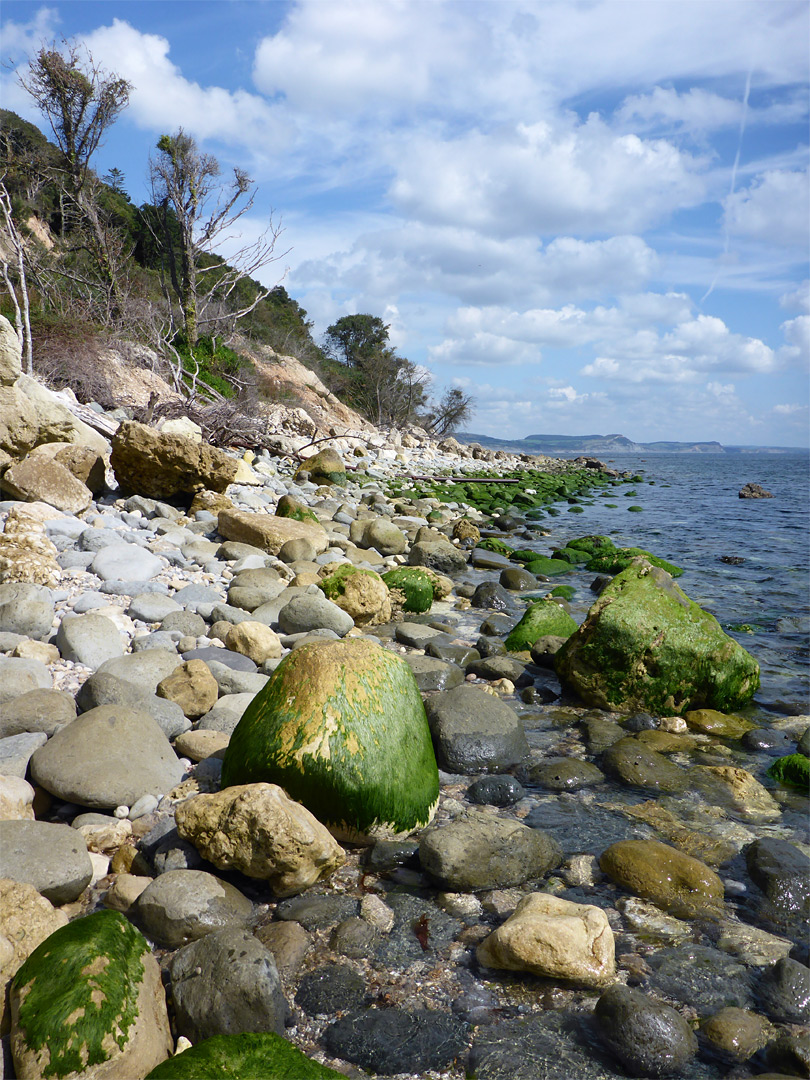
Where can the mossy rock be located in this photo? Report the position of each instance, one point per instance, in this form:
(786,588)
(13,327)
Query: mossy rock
(523,555)
(76,999)
(566,592)
(245,1056)
(415,585)
(645,646)
(360,593)
(793,770)
(500,547)
(288,507)
(635,509)
(571,555)
(340,725)
(542,619)
(616,561)
(325,467)
(548,567)
(592,545)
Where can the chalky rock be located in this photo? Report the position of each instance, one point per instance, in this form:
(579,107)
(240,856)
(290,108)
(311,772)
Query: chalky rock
(325,467)
(26,553)
(362,594)
(53,858)
(342,728)
(649,1038)
(26,919)
(36,479)
(674,881)
(480,851)
(645,646)
(89,639)
(26,609)
(248,1055)
(475,732)
(89,1002)
(542,619)
(224,982)
(267,532)
(254,640)
(10,353)
(553,938)
(183,905)
(164,466)
(108,757)
(192,687)
(258,830)
(86,464)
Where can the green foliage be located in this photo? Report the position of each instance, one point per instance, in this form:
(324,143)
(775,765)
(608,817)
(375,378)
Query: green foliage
(213,362)
(78,987)
(793,770)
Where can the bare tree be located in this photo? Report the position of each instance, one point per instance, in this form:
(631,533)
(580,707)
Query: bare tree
(187,184)
(17,290)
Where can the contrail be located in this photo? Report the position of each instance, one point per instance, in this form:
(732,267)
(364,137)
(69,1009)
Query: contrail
(734,168)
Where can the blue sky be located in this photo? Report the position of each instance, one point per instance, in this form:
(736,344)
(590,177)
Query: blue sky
(592,216)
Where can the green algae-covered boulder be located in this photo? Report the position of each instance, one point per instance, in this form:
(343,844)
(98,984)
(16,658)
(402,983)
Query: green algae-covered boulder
(646,646)
(246,1056)
(89,1001)
(613,562)
(325,467)
(540,564)
(592,545)
(492,543)
(541,619)
(360,593)
(288,507)
(414,584)
(340,725)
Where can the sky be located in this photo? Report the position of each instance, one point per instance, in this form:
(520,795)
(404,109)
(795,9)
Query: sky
(592,216)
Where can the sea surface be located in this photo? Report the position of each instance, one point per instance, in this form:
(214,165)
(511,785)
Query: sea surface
(692,516)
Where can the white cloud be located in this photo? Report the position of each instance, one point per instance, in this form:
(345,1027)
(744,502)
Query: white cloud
(774,209)
(788,410)
(697,110)
(797,299)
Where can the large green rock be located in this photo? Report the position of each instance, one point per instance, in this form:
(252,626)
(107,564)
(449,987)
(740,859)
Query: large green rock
(646,646)
(613,562)
(541,619)
(341,727)
(246,1056)
(415,585)
(89,1000)
(325,467)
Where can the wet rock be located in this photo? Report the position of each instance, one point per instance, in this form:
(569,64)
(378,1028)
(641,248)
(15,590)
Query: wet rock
(354,938)
(736,790)
(498,667)
(474,731)
(649,1038)
(392,1041)
(782,872)
(784,990)
(638,766)
(289,943)
(701,977)
(712,722)
(568,774)
(317,912)
(737,1034)
(184,905)
(496,791)
(328,990)
(754,491)
(676,882)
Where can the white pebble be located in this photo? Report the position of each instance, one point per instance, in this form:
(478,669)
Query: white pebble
(121,812)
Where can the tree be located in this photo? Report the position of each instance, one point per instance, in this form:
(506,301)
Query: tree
(115,180)
(195,202)
(355,338)
(453,409)
(81,101)
(22,313)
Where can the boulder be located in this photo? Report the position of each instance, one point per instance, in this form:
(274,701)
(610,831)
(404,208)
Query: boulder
(555,939)
(165,466)
(414,588)
(89,639)
(37,479)
(26,553)
(438,555)
(258,830)
(307,612)
(648,1037)
(247,1054)
(87,465)
(362,594)
(475,732)
(184,905)
(382,535)
(53,858)
(342,728)
(10,353)
(645,646)
(325,467)
(255,640)
(26,609)
(89,1001)
(26,919)
(192,687)
(268,532)
(754,491)
(56,423)
(673,880)
(19,423)
(545,618)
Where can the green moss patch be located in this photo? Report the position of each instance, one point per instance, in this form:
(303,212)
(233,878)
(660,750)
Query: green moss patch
(566,592)
(246,1056)
(79,988)
(618,560)
(541,619)
(793,770)
(414,584)
(289,507)
(500,547)
(548,567)
(334,586)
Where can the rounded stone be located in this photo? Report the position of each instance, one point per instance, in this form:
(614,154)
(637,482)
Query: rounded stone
(53,858)
(475,732)
(676,882)
(649,1038)
(496,791)
(183,905)
(305,613)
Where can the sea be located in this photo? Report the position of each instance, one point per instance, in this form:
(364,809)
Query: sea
(692,515)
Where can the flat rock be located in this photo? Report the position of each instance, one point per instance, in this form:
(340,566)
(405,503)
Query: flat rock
(267,532)
(126,562)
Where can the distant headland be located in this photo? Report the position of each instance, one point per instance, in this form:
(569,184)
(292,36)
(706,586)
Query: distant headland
(563,445)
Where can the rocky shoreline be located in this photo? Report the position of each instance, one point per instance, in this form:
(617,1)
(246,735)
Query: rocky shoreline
(600,893)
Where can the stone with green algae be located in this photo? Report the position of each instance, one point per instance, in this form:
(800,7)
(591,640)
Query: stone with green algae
(325,467)
(288,507)
(542,619)
(243,1056)
(414,584)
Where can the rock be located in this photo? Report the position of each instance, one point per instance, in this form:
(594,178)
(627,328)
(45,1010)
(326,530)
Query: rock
(496,791)
(782,872)
(736,790)
(330,990)
(475,732)
(26,553)
(19,423)
(19,676)
(700,977)
(89,639)
(553,938)
(516,579)
(737,1034)
(248,1055)
(16,751)
(108,757)
(309,612)
(362,594)
(89,1001)
(785,991)
(143,670)
(649,1038)
(52,858)
(711,722)
(26,919)
(751,945)
(254,640)
(438,555)
(55,421)
(483,852)
(635,764)
(259,831)
(355,938)
(267,532)
(151,607)
(104,689)
(432,674)
(341,727)
(127,562)
(37,479)
(192,687)
(394,1041)
(226,981)
(16,799)
(492,596)
(184,905)
(383,536)
(10,353)
(543,619)
(226,714)
(412,588)
(26,609)
(754,491)
(325,467)
(163,466)
(676,882)
(645,646)
(567,774)
(86,464)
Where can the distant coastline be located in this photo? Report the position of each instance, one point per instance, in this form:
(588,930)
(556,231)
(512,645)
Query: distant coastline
(563,445)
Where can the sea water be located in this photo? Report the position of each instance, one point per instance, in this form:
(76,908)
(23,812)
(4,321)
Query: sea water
(692,516)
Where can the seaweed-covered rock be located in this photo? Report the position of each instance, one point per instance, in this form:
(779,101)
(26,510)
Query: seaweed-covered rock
(288,507)
(542,619)
(248,1055)
(325,467)
(89,1001)
(613,562)
(645,646)
(360,593)
(415,585)
(342,728)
